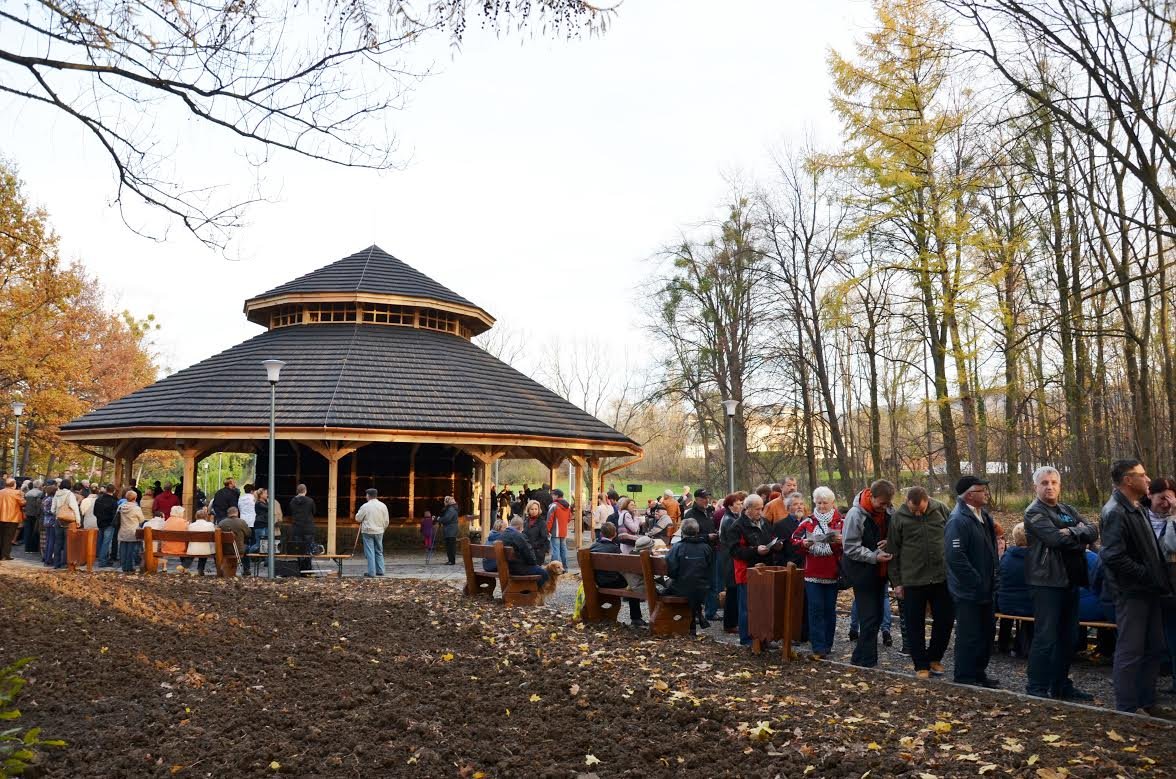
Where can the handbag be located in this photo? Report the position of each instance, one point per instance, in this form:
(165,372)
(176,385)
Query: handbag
(65,513)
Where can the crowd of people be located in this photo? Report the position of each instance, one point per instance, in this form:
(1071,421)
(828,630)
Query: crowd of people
(943,564)
(946,562)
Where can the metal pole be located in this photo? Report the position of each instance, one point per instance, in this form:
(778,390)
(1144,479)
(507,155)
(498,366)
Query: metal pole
(730,454)
(270,490)
(16,450)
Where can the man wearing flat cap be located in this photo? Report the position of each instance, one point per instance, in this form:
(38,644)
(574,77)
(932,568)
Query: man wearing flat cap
(702,512)
(969,545)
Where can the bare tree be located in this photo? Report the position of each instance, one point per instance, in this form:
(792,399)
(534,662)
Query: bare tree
(315,79)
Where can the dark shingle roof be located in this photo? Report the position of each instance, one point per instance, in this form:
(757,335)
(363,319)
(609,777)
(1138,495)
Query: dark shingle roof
(374,271)
(354,376)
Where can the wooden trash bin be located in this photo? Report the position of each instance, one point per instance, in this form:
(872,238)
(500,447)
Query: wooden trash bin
(775,602)
(81,547)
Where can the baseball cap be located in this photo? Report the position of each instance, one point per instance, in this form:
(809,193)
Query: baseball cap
(702,492)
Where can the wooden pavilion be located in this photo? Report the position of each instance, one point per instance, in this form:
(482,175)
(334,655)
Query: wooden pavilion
(382,387)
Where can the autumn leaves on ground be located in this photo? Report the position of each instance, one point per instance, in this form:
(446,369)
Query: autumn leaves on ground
(178,676)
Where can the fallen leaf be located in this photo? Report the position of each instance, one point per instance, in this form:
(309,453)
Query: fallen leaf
(1032,759)
(660,686)
(535,698)
(928,776)
(1131,748)
(987,768)
(575,690)
(1113,736)
(275,766)
(447,656)
(761,732)
(1049,738)
(591,760)
(941,727)
(873,745)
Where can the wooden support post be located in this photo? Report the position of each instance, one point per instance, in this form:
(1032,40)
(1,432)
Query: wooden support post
(119,472)
(354,480)
(578,508)
(412,453)
(484,481)
(333,452)
(189,498)
(594,489)
(485,457)
(332,503)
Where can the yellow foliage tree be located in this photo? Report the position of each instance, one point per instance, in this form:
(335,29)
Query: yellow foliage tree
(64,353)
(908,146)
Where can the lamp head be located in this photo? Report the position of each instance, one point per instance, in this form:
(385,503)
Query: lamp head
(17,408)
(272,369)
(730,406)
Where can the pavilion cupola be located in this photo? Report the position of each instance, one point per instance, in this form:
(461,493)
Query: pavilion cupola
(369,287)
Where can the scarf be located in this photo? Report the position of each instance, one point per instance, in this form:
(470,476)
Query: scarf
(823,548)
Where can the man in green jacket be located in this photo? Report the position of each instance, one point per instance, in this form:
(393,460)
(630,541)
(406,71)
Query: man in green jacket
(919,576)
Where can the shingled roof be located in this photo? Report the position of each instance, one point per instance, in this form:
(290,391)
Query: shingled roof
(373,271)
(354,376)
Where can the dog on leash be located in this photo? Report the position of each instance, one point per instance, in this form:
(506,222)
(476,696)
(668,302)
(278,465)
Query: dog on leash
(554,569)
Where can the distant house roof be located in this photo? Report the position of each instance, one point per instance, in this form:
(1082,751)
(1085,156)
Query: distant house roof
(351,376)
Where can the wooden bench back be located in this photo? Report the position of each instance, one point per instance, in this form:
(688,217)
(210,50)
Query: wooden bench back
(486,551)
(620,563)
(220,539)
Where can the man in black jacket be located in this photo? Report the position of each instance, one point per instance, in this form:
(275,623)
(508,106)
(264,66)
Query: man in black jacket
(104,511)
(1055,567)
(969,550)
(702,512)
(613,579)
(449,524)
(302,535)
(226,496)
(1135,572)
(524,562)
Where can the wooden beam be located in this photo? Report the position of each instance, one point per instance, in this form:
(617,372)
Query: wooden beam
(578,508)
(164,438)
(353,498)
(412,453)
(485,496)
(189,453)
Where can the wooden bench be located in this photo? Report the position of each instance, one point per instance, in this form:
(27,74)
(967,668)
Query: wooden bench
(1023,618)
(226,565)
(258,558)
(669,615)
(81,547)
(480,583)
(516,590)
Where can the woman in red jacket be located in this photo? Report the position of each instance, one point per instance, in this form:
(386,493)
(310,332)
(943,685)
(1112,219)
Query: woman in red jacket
(819,536)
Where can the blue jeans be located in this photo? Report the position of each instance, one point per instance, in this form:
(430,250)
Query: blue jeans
(744,633)
(559,551)
(373,552)
(541,572)
(128,555)
(105,539)
(887,617)
(57,544)
(821,600)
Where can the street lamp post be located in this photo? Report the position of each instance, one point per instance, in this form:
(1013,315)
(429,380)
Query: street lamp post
(17,409)
(730,406)
(272,370)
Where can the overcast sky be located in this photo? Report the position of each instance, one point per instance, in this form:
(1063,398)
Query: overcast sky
(540,176)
